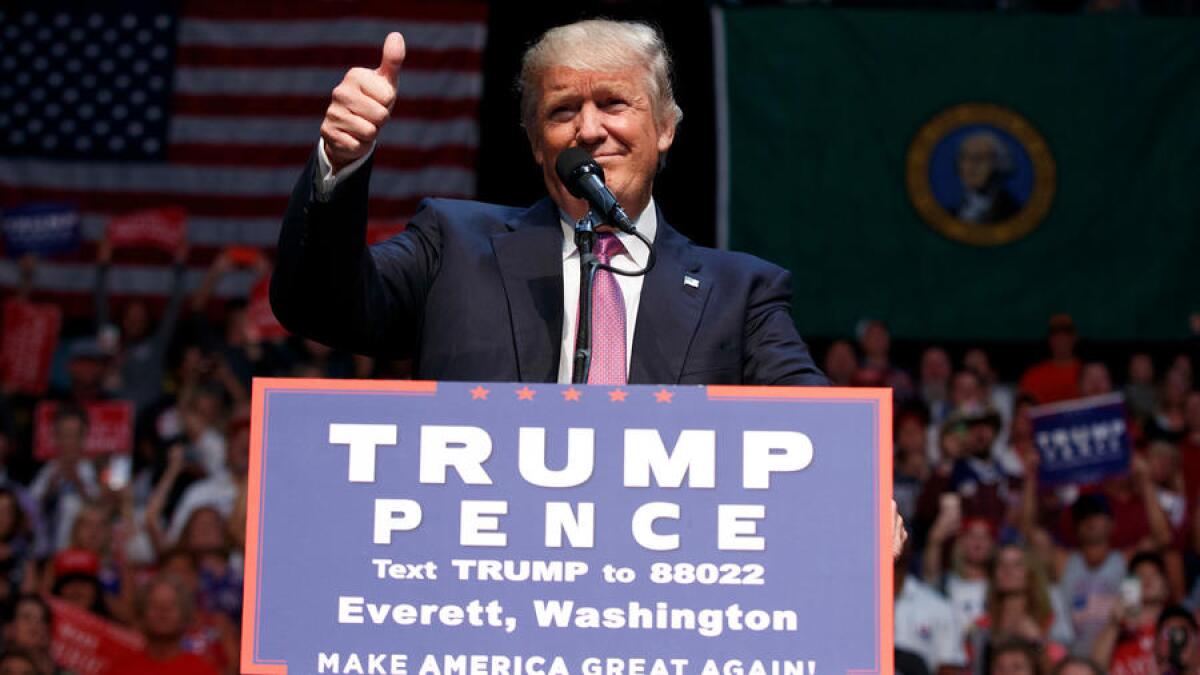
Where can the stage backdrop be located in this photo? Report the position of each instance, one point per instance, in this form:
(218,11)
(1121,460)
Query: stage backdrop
(965,175)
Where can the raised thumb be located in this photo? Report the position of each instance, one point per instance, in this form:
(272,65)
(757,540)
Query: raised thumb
(393,56)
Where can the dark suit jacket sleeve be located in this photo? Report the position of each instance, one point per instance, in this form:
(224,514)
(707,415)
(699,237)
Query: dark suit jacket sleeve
(774,352)
(329,286)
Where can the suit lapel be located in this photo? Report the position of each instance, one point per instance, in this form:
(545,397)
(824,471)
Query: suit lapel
(669,310)
(529,256)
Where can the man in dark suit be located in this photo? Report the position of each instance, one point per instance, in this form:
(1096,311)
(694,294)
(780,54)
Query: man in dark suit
(482,292)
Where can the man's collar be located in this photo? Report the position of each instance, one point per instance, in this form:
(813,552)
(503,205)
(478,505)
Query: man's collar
(646,224)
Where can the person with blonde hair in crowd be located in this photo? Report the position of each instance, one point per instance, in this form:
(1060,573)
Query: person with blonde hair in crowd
(1019,607)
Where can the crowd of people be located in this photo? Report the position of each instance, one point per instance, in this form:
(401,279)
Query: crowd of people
(1003,574)
(999,574)
(151,541)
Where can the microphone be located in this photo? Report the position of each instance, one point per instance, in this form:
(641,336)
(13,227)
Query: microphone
(584,178)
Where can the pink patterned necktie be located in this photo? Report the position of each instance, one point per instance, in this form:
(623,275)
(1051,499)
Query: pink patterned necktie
(608,318)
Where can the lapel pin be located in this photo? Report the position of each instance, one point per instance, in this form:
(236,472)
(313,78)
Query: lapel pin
(691,281)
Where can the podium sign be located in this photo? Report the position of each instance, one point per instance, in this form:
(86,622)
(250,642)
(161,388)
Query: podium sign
(434,528)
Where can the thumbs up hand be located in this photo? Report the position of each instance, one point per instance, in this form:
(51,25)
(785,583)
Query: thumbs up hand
(361,105)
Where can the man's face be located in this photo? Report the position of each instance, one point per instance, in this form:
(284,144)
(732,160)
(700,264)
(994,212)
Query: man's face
(965,389)
(1062,344)
(1154,585)
(609,114)
(80,592)
(976,160)
(983,435)
(1095,380)
(976,542)
(911,436)
(69,435)
(164,617)
(1095,530)
(935,366)
(876,341)
(29,627)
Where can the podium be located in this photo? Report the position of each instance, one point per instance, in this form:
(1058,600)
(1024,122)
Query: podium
(426,527)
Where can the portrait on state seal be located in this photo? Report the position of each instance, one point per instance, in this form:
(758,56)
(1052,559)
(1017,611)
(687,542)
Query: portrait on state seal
(980,174)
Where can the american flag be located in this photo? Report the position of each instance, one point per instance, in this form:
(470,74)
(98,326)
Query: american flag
(214,106)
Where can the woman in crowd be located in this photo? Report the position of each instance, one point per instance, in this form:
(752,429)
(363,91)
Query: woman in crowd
(1018,607)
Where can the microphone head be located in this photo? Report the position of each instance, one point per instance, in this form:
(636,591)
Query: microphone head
(572,165)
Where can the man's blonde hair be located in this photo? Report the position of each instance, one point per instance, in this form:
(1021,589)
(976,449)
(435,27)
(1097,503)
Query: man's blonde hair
(600,45)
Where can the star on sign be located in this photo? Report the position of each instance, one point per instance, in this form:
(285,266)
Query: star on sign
(663,396)
(617,396)
(571,394)
(479,393)
(525,394)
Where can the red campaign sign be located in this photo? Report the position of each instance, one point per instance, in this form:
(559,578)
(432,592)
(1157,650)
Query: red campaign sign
(259,316)
(27,345)
(164,228)
(84,643)
(110,428)
(382,230)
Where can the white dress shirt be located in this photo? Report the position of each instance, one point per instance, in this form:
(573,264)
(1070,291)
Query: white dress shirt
(634,257)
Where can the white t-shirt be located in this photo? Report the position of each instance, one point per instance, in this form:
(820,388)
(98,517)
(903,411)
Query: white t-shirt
(968,597)
(926,625)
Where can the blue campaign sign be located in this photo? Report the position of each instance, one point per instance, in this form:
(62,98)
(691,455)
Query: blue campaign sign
(45,229)
(435,528)
(1081,441)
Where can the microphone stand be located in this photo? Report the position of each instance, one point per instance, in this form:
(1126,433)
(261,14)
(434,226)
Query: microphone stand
(585,237)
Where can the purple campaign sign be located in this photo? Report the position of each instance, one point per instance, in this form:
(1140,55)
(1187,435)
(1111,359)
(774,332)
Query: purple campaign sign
(433,528)
(1081,441)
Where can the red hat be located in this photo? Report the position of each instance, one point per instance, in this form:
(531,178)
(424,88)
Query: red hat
(968,521)
(76,561)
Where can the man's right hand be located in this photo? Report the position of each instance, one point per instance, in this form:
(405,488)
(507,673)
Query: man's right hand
(361,105)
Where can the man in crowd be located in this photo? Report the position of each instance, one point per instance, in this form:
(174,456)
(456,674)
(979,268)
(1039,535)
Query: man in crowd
(166,610)
(925,622)
(1057,378)
(1176,648)
(984,486)
(28,630)
(69,479)
(1126,644)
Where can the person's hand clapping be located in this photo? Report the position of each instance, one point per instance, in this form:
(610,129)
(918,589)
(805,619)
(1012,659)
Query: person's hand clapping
(361,105)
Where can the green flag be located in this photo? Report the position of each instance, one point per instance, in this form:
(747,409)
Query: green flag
(966,175)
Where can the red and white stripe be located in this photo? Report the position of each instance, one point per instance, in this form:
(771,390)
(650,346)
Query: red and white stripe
(252,81)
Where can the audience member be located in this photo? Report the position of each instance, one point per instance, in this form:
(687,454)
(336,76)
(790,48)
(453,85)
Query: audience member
(1176,649)
(935,373)
(1125,646)
(1057,378)
(1141,395)
(876,368)
(28,626)
(1019,606)
(925,622)
(165,613)
(68,479)
(840,363)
